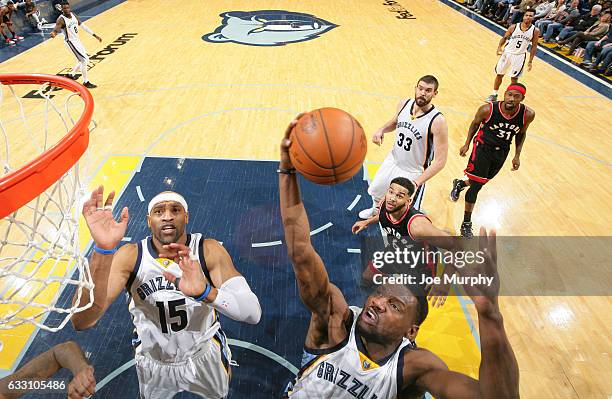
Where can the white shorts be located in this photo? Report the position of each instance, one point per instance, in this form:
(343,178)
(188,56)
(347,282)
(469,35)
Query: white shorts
(513,62)
(206,373)
(77,48)
(388,171)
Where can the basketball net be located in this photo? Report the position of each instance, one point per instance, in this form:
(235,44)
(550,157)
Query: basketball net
(40,251)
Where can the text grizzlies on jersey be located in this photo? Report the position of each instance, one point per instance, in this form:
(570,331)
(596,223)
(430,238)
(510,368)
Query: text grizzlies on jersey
(344,380)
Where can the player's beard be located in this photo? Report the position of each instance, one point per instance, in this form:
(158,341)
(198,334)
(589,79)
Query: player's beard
(511,108)
(422,101)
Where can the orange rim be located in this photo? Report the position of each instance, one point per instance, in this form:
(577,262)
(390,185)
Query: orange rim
(21,186)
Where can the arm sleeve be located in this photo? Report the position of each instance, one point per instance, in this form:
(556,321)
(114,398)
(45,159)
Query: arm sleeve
(236,300)
(86,29)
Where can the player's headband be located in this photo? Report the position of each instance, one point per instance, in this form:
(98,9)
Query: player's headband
(167,196)
(518,88)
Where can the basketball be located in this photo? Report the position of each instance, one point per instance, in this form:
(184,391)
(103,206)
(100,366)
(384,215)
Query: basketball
(328,146)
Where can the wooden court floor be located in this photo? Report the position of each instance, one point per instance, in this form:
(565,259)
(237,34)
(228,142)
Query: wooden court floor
(167,92)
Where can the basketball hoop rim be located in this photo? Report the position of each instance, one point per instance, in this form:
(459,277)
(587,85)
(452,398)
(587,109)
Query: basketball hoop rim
(21,186)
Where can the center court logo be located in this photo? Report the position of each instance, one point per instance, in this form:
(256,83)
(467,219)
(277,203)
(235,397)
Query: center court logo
(268,28)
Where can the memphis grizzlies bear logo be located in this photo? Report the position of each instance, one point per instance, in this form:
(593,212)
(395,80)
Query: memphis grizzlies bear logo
(268,28)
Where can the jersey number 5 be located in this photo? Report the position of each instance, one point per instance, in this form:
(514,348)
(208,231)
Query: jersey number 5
(401,141)
(518,43)
(172,312)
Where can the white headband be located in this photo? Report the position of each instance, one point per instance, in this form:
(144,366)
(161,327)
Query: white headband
(167,196)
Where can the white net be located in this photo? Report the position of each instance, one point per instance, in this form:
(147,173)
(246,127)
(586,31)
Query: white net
(40,251)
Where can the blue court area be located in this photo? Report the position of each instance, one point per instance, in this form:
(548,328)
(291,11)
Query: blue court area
(237,203)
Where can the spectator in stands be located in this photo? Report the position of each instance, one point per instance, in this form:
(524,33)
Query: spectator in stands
(501,13)
(32,13)
(595,32)
(550,17)
(516,13)
(583,23)
(544,8)
(606,57)
(596,46)
(563,19)
(6,14)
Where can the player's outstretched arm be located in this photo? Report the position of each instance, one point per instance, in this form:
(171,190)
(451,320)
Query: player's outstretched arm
(439,129)
(482,114)
(316,292)
(534,48)
(67,355)
(59,25)
(506,36)
(110,268)
(520,138)
(387,127)
(233,297)
(499,375)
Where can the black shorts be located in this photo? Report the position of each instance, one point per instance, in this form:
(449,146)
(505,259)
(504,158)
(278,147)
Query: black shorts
(485,162)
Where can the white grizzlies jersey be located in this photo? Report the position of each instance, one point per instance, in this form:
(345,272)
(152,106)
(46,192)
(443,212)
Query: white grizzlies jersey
(519,41)
(169,325)
(346,371)
(413,150)
(71,29)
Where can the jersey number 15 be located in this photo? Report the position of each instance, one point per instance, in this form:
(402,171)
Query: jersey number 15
(173,312)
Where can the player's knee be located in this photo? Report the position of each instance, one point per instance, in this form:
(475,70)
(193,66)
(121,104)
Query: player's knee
(472,193)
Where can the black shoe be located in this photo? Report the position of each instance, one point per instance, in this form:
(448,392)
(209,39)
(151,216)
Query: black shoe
(466,230)
(89,85)
(458,186)
(69,76)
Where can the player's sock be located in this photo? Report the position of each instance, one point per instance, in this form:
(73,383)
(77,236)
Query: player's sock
(467,217)
(84,71)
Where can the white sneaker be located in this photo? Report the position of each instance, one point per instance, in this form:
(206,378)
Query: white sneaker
(368,213)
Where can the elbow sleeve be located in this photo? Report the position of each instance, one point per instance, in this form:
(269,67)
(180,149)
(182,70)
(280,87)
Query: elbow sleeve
(236,300)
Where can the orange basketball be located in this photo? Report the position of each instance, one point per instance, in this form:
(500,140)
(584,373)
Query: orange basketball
(328,146)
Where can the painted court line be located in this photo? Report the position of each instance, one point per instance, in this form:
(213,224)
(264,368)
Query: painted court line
(233,342)
(320,229)
(355,201)
(139,192)
(265,244)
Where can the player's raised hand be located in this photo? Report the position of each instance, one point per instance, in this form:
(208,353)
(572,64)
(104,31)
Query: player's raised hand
(193,281)
(485,290)
(83,384)
(516,163)
(378,137)
(105,230)
(464,149)
(286,143)
(359,226)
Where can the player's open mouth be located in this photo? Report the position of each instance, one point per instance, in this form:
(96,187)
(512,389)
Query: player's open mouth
(390,206)
(168,229)
(370,316)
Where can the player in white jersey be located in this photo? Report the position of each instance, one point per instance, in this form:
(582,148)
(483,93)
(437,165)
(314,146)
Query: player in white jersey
(420,148)
(513,55)
(69,24)
(179,344)
(370,353)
